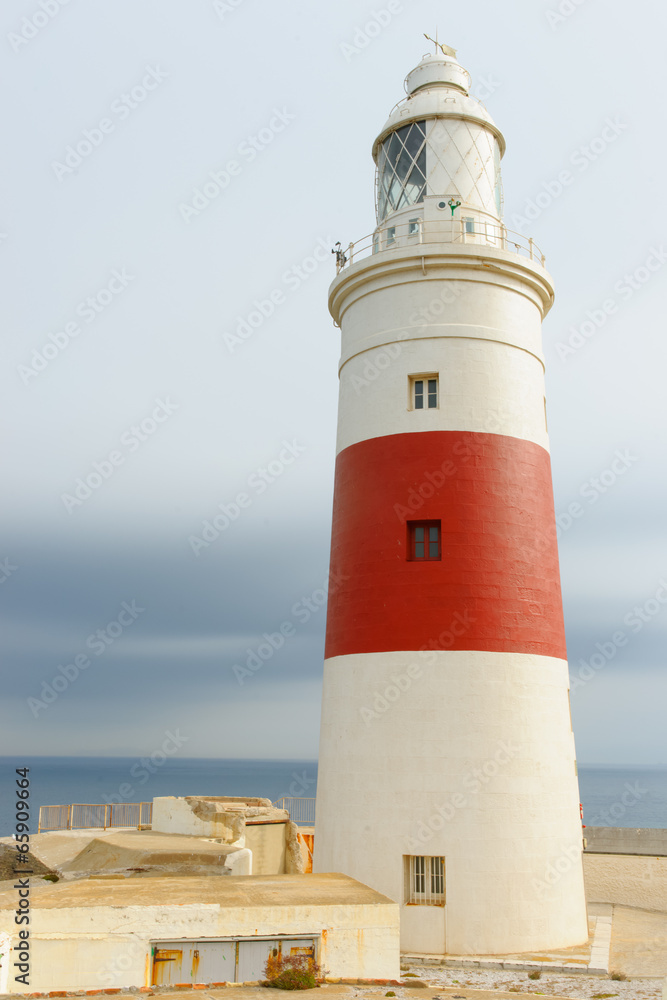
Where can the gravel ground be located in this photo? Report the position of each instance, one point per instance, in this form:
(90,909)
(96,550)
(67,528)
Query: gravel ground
(580,986)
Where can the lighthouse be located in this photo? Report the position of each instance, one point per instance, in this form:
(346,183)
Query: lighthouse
(447,768)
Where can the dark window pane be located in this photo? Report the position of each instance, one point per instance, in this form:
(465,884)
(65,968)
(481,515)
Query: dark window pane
(419,534)
(433,550)
(433,533)
(432,385)
(419,550)
(419,395)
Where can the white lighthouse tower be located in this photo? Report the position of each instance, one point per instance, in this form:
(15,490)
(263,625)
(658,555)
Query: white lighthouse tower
(447,773)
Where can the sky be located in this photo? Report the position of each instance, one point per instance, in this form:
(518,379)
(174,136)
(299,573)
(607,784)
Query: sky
(175,177)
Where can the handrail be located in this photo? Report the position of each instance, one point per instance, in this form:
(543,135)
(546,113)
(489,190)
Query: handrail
(301,809)
(94,816)
(414,232)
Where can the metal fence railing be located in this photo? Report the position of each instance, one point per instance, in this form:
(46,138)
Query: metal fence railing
(94,816)
(301,811)
(431,235)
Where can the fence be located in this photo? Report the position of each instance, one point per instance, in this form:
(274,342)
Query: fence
(431,235)
(301,811)
(81,815)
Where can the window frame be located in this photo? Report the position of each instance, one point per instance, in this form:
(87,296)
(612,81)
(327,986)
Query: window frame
(425,880)
(425,378)
(412,541)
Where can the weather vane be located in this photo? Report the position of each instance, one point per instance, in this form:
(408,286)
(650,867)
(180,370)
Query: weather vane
(446,50)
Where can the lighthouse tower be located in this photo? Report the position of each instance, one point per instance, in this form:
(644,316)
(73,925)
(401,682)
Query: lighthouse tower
(447,770)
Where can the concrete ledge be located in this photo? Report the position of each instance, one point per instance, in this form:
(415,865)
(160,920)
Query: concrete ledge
(622,840)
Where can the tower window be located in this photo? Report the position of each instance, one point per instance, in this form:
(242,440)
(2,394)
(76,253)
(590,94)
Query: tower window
(424,541)
(425,881)
(391,235)
(413,227)
(470,224)
(424,392)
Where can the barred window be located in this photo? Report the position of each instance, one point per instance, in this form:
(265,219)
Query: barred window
(425,881)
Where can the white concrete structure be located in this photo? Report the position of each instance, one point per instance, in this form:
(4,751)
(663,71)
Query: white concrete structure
(447,774)
(119,932)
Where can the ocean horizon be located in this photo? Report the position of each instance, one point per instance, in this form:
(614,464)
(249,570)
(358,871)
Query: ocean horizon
(623,795)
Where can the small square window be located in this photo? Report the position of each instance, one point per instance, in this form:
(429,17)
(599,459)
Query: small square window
(424,541)
(413,227)
(424,881)
(424,392)
(470,224)
(391,235)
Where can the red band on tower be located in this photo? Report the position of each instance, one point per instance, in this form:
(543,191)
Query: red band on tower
(497,585)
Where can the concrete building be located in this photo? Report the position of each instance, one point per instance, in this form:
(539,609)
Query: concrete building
(112,932)
(447,770)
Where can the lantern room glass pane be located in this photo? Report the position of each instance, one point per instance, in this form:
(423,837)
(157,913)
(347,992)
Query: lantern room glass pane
(401,173)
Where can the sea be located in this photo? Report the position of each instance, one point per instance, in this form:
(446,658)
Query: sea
(611,795)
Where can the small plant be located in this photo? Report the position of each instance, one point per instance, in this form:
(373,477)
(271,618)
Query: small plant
(291,972)
(603,996)
(535,975)
(390,994)
(407,975)
(619,977)
(50,878)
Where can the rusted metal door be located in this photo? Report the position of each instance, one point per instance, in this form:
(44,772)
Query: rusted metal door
(193,962)
(233,961)
(167,964)
(252,955)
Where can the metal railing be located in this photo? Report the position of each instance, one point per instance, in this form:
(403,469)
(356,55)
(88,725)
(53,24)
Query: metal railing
(416,232)
(301,811)
(95,816)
